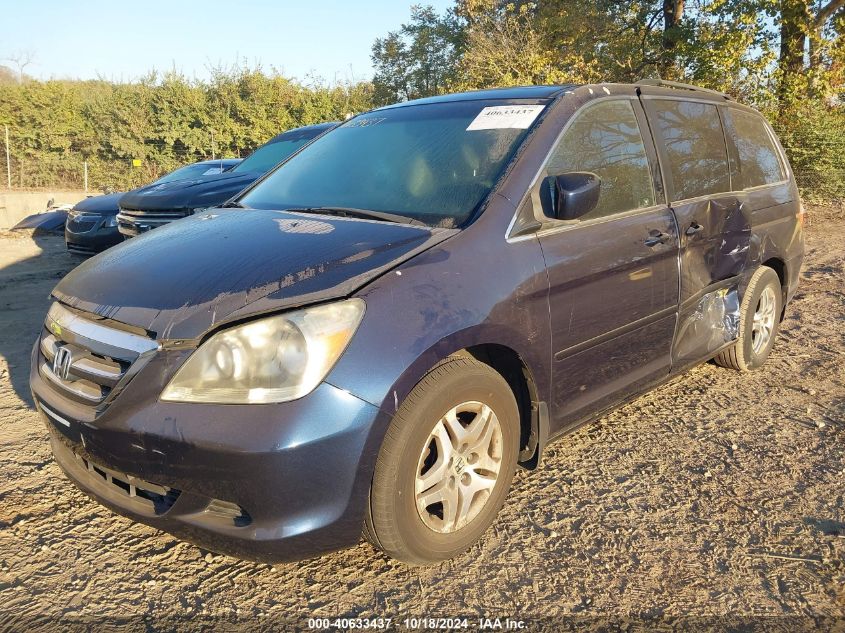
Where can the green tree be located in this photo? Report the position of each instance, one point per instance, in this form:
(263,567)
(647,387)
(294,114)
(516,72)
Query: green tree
(506,46)
(787,57)
(419,59)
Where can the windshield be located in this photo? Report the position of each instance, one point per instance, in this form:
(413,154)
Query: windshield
(434,162)
(193,171)
(271,154)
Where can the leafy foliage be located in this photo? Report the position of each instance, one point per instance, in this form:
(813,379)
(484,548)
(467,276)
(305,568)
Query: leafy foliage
(814,137)
(786,57)
(419,59)
(163,122)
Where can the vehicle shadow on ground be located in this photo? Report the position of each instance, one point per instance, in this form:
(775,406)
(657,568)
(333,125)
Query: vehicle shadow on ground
(828,527)
(25,286)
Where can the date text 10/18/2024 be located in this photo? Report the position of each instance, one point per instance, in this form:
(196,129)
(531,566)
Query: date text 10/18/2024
(422,623)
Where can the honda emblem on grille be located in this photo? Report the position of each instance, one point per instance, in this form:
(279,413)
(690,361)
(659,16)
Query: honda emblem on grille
(62,362)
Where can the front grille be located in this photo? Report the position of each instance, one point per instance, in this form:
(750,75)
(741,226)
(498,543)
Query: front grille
(145,220)
(81,224)
(158,499)
(84,359)
(166,215)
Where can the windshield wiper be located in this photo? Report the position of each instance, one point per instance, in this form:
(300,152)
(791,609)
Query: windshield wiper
(367,214)
(232,204)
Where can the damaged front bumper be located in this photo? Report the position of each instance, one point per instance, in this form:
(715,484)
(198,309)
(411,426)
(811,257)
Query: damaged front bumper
(260,482)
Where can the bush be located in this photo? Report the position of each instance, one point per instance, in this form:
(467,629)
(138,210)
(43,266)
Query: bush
(813,135)
(163,122)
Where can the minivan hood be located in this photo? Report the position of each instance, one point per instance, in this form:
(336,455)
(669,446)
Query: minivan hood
(207,191)
(188,277)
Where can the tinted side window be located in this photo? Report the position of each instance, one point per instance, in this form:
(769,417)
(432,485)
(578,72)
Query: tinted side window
(695,145)
(605,139)
(757,162)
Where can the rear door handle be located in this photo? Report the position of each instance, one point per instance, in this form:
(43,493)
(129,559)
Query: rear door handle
(656,238)
(693,228)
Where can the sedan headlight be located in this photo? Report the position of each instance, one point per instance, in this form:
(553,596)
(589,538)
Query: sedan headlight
(274,359)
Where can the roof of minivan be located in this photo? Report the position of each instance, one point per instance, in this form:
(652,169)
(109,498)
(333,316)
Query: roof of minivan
(515,92)
(549,92)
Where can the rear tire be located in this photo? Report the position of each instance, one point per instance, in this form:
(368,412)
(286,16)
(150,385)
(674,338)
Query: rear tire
(759,318)
(446,464)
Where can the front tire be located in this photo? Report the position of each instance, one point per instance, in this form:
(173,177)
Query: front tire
(759,318)
(446,464)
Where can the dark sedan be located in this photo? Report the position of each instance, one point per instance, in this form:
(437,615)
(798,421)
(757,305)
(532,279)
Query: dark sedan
(91,225)
(151,206)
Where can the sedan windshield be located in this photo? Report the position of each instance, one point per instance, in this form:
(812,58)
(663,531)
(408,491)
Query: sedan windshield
(193,171)
(276,150)
(432,162)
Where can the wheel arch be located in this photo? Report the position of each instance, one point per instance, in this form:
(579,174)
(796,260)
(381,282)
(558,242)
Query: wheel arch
(493,347)
(533,412)
(779,266)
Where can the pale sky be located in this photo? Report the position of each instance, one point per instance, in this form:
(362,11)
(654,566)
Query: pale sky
(122,40)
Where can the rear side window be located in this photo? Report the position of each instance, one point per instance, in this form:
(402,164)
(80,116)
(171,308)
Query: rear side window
(695,146)
(756,162)
(605,139)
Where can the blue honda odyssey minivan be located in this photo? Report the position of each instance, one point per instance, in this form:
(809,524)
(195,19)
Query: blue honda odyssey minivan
(376,334)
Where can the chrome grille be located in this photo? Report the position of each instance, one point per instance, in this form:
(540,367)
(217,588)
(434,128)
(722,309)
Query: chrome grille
(145,220)
(86,360)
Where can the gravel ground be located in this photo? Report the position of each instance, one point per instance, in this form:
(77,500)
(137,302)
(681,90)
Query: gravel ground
(714,501)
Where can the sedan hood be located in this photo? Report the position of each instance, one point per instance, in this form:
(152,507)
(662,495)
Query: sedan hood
(104,205)
(176,195)
(46,222)
(188,277)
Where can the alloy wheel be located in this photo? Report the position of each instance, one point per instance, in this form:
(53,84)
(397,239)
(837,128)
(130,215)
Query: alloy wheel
(764,320)
(458,467)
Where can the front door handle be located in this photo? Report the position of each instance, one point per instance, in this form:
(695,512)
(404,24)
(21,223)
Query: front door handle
(655,238)
(694,228)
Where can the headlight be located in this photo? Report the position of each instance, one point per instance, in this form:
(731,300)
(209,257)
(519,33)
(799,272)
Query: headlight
(110,221)
(275,359)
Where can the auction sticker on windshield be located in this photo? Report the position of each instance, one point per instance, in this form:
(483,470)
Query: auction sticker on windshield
(502,117)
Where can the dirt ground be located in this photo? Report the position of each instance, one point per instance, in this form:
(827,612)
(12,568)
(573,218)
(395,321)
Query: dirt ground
(713,502)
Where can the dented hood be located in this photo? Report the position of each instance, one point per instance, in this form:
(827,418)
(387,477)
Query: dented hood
(185,278)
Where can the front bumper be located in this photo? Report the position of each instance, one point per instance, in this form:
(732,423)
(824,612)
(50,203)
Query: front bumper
(93,240)
(298,472)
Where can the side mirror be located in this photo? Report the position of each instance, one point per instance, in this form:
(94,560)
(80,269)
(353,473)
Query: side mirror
(570,196)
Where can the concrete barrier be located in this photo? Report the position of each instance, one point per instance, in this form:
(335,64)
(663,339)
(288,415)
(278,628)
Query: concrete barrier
(16,205)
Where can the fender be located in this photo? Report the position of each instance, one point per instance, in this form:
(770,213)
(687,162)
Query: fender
(536,412)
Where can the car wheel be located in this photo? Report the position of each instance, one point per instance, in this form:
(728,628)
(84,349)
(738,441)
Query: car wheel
(446,464)
(759,318)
